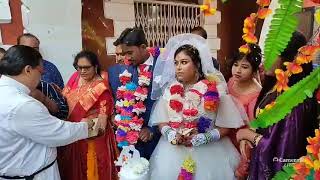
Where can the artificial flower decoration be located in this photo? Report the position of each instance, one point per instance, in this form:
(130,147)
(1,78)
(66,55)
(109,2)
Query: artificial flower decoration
(309,50)
(263,3)
(303,59)
(130,103)
(207,9)
(244,49)
(263,13)
(282,80)
(308,167)
(187,169)
(250,38)
(249,23)
(293,68)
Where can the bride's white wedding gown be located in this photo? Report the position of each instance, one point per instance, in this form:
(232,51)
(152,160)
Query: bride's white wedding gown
(214,161)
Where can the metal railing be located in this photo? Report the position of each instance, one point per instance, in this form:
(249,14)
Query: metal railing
(161,20)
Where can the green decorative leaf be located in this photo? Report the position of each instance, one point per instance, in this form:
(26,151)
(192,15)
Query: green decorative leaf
(308,93)
(284,174)
(224,1)
(283,24)
(288,100)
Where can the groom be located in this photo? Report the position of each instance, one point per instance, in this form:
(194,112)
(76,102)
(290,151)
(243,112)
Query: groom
(134,47)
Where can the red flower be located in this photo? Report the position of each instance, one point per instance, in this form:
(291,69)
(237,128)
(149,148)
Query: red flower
(120,94)
(212,87)
(142,67)
(190,112)
(190,125)
(147,74)
(263,13)
(175,125)
(132,137)
(293,67)
(176,89)
(142,90)
(137,121)
(124,79)
(176,105)
(120,138)
(139,105)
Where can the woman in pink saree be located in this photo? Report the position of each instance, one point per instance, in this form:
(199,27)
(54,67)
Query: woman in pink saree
(89,97)
(245,90)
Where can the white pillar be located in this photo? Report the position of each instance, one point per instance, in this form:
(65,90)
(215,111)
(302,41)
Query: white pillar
(122,14)
(5,14)
(211,26)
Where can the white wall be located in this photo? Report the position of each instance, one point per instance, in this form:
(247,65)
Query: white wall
(5,14)
(57,23)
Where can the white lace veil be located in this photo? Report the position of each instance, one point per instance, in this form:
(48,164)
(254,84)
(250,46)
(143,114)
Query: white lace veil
(164,70)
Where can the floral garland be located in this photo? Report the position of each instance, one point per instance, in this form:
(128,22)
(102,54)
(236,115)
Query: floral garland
(183,113)
(183,107)
(207,9)
(130,103)
(305,55)
(308,166)
(249,25)
(187,170)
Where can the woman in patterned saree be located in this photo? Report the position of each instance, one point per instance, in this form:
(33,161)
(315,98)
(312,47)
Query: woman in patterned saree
(88,96)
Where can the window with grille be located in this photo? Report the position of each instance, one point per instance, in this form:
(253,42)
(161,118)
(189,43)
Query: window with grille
(161,20)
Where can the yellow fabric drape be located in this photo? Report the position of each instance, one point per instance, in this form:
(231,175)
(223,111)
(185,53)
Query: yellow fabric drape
(92,165)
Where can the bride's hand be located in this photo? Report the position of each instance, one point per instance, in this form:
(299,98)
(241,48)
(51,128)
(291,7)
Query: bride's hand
(178,139)
(187,139)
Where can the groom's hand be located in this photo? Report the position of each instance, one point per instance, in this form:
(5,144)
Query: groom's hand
(145,134)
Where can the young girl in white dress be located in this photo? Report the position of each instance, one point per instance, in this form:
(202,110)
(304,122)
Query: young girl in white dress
(194,113)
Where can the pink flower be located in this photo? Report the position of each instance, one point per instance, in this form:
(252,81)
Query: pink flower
(132,137)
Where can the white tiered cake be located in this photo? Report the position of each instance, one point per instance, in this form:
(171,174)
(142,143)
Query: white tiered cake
(133,167)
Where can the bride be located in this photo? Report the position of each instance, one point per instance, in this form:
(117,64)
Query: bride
(194,113)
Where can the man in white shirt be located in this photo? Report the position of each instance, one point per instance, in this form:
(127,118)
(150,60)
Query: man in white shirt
(29,135)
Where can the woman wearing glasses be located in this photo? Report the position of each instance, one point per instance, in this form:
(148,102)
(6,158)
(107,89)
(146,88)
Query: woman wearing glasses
(89,97)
